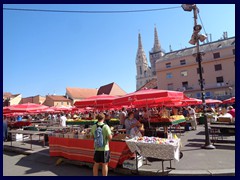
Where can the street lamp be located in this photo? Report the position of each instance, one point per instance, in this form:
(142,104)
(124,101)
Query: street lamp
(195,38)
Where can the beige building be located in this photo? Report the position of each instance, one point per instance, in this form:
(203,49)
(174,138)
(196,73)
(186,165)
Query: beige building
(54,100)
(178,70)
(76,94)
(33,99)
(11,99)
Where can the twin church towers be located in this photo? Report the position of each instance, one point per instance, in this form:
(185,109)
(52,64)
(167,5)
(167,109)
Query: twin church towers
(144,72)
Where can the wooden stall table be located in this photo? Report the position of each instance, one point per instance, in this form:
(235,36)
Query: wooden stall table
(165,124)
(83,149)
(30,133)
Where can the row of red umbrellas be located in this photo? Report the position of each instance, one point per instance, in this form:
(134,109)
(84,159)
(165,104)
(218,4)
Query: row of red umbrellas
(32,108)
(145,97)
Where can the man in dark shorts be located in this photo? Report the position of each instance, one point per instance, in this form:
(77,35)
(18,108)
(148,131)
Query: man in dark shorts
(102,154)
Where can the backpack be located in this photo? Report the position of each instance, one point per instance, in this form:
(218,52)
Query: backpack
(98,138)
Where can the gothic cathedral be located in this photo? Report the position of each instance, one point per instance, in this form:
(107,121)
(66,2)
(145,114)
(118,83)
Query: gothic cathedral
(144,72)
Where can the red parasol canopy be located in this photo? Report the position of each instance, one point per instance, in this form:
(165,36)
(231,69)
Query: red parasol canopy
(190,101)
(213,101)
(61,108)
(26,107)
(229,101)
(102,100)
(148,96)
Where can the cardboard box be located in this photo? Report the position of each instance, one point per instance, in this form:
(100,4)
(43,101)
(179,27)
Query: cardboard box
(131,163)
(19,137)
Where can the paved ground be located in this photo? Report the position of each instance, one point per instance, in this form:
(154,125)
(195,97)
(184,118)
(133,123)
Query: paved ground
(195,160)
(36,164)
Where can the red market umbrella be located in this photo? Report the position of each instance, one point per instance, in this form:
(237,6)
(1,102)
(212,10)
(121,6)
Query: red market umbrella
(48,110)
(102,100)
(14,114)
(213,101)
(190,101)
(148,96)
(6,110)
(229,101)
(27,107)
(61,108)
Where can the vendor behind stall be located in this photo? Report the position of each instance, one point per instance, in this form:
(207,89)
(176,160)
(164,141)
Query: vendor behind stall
(132,125)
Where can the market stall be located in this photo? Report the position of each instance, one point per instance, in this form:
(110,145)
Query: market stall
(112,122)
(83,150)
(153,147)
(166,122)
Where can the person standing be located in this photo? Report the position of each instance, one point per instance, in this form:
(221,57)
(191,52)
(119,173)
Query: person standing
(102,135)
(63,120)
(192,114)
(122,117)
(5,129)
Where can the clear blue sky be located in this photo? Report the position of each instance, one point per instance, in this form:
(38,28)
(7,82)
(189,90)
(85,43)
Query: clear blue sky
(47,52)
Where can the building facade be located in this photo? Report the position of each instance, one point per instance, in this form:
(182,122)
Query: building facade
(11,99)
(178,70)
(77,94)
(33,99)
(145,73)
(57,101)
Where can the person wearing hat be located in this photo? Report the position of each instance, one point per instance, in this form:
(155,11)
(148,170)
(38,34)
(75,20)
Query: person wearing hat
(192,114)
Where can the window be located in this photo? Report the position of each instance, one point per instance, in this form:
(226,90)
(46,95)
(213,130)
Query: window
(198,95)
(145,73)
(219,93)
(170,86)
(182,62)
(169,75)
(219,79)
(140,70)
(184,73)
(185,85)
(198,70)
(168,65)
(218,67)
(208,94)
(216,55)
(233,51)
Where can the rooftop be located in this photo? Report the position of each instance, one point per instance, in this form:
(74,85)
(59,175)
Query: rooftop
(223,43)
(58,98)
(81,93)
(111,89)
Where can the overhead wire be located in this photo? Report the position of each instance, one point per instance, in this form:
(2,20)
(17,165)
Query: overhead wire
(89,12)
(205,31)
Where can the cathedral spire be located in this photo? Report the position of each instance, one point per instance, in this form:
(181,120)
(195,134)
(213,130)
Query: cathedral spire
(156,46)
(141,57)
(139,41)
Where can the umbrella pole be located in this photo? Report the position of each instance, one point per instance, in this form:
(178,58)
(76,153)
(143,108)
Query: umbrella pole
(148,116)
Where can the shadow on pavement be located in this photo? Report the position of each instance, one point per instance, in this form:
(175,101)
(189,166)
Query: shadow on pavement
(39,163)
(10,153)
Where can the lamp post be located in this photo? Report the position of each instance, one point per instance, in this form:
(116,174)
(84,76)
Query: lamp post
(195,41)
